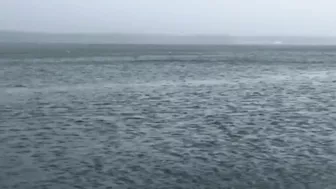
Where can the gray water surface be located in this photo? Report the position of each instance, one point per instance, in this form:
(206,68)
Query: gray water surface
(104,116)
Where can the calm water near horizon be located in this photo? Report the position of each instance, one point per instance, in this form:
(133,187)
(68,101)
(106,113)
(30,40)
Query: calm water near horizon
(149,116)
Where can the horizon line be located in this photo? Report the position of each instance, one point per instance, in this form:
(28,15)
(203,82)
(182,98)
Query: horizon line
(160,34)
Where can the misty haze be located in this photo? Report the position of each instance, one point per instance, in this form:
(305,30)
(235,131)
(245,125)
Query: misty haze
(167,94)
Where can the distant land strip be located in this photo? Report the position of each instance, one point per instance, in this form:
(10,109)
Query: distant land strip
(127,38)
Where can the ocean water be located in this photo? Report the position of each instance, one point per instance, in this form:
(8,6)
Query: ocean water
(152,117)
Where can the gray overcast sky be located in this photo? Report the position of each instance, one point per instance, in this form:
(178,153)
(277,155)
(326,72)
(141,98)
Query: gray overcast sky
(234,17)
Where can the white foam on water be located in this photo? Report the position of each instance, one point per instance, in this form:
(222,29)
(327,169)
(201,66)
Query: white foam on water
(268,78)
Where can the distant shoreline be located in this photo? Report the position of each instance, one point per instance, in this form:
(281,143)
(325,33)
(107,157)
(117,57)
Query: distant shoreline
(158,39)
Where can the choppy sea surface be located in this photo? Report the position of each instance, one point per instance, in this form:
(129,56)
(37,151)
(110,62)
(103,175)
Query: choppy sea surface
(152,117)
